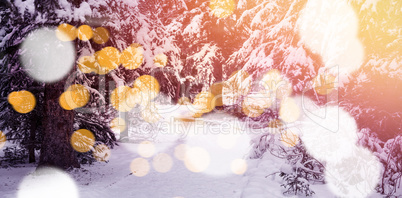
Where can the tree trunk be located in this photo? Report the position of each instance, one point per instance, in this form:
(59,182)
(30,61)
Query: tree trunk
(58,128)
(31,146)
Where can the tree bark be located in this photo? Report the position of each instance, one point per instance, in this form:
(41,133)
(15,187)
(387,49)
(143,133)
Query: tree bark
(58,127)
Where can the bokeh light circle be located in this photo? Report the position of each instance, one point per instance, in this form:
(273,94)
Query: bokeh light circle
(82,140)
(140,167)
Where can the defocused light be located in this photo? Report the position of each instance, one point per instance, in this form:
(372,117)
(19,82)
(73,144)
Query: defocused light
(118,125)
(222,8)
(75,96)
(148,85)
(238,84)
(160,60)
(66,32)
(140,167)
(22,101)
(203,102)
(146,149)
(162,162)
(3,139)
(274,82)
(45,58)
(118,99)
(86,64)
(238,166)
(82,140)
(197,159)
(108,58)
(354,176)
(324,84)
(150,113)
(289,138)
(180,151)
(101,153)
(289,111)
(132,57)
(85,32)
(48,183)
(216,90)
(101,35)
(184,101)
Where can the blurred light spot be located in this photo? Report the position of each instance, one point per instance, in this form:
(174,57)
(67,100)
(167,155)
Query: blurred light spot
(66,32)
(150,113)
(118,125)
(238,166)
(203,102)
(274,82)
(216,90)
(184,101)
(222,8)
(75,96)
(289,111)
(160,60)
(254,105)
(140,167)
(289,138)
(180,151)
(148,85)
(101,35)
(45,58)
(118,98)
(22,101)
(197,159)
(324,144)
(134,96)
(162,162)
(3,139)
(132,57)
(146,149)
(238,84)
(48,183)
(108,58)
(101,153)
(82,140)
(85,32)
(87,64)
(227,141)
(324,83)
(354,176)
(330,28)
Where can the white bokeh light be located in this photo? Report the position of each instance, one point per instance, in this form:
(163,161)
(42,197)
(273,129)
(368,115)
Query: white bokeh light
(45,58)
(48,183)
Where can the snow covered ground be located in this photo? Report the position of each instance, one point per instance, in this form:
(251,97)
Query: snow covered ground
(220,167)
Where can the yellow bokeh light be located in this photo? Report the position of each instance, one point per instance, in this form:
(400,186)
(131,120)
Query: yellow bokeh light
(150,113)
(134,96)
(82,140)
(254,105)
(101,153)
(162,162)
(146,149)
(140,167)
(3,139)
(87,64)
(118,125)
(184,101)
(289,111)
(238,166)
(274,82)
(132,57)
(237,85)
(324,84)
(66,32)
(204,102)
(289,138)
(85,32)
(148,85)
(118,98)
(22,101)
(197,159)
(160,60)
(75,96)
(222,8)
(108,58)
(180,151)
(101,35)
(216,90)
